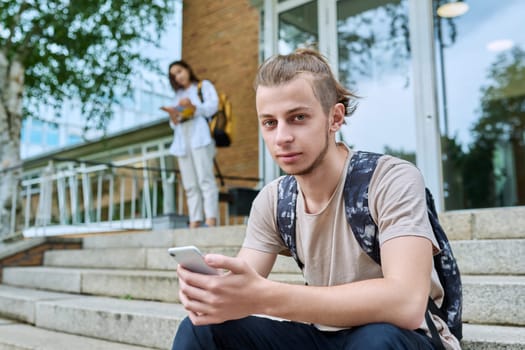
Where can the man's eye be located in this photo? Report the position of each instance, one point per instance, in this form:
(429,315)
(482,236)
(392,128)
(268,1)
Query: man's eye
(269,123)
(300,117)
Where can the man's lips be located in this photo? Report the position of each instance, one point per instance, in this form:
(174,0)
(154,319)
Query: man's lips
(289,157)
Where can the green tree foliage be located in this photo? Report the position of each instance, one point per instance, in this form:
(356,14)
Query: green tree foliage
(478,174)
(503,99)
(80,50)
(372,39)
(472,176)
(400,153)
(52,51)
(502,120)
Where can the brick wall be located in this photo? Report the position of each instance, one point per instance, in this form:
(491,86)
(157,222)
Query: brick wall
(35,256)
(221,43)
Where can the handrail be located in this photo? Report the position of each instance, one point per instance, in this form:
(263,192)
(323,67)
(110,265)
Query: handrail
(177,171)
(70,195)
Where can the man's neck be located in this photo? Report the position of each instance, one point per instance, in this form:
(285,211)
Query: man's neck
(318,187)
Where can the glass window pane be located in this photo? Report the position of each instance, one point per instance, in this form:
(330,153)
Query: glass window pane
(375,62)
(52,138)
(481,61)
(35,133)
(73,139)
(298,28)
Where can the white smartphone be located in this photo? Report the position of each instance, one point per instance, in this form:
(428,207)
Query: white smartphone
(191,258)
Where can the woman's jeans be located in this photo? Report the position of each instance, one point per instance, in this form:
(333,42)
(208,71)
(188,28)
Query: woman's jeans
(252,333)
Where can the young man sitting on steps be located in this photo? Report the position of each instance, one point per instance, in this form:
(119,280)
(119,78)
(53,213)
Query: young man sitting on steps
(349,302)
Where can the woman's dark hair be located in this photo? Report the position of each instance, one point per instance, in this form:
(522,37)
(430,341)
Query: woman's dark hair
(184,64)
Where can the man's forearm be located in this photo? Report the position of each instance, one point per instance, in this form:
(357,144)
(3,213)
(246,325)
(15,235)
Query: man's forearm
(353,304)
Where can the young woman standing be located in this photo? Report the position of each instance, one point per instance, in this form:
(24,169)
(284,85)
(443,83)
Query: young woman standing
(192,143)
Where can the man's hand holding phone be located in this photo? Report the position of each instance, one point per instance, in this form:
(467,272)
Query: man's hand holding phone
(219,296)
(192,259)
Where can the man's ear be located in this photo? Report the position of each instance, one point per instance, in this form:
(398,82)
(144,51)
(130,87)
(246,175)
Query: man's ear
(338,116)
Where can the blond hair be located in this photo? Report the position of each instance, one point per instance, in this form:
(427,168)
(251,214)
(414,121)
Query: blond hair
(281,69)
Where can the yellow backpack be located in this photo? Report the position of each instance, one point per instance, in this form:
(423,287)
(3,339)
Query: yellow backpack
(221,123)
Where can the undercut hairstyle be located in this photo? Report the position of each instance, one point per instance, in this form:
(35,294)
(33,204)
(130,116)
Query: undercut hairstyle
(281,69)
(193,77)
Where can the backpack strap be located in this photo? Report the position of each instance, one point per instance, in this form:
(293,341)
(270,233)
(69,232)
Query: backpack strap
(449,275)
(201,97)
(286,203)
(199,91)
(434,334)
(355,193)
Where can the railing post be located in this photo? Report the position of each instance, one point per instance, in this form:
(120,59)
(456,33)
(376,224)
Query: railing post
(13,209)
(122,190)
(73,194)
(111,192)
(27,217)
(43,216)
(61,191)
(99,197)
(168,187)
(145,187)
(133,197)
(86,191)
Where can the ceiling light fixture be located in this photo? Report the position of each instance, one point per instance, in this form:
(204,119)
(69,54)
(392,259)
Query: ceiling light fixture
(451,9)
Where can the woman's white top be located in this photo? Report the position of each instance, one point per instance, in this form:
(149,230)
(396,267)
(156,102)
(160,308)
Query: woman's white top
(196,128)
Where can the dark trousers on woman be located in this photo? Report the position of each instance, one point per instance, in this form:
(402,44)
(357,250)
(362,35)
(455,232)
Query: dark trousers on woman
(259,333)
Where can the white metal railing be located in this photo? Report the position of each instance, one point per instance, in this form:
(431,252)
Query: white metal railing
(69,196)
(78,197)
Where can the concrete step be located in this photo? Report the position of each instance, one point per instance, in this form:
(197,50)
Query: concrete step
(499,256)
(19,303)
(487,299)
(127,284)
(486,257)
(221,236)
(136,284)
(494,300)
(115,258)
(490,223)
(482,337)
(140,258)
(17,336)
(150,324)
(140,323)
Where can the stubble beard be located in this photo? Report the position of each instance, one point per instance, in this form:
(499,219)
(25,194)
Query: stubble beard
(317,161)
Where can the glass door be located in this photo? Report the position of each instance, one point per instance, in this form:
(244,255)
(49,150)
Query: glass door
(481,61)
(374,61)
(369,46)
(298,28)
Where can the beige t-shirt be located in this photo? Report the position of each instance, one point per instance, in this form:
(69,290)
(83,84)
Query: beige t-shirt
(325,242)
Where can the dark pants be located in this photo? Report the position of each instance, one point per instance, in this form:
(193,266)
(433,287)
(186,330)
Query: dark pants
(253,333)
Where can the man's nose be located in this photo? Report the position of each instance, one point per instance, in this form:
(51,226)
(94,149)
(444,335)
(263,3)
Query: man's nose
(283,134)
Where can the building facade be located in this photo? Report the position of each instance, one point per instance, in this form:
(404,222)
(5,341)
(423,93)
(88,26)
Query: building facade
(445,90)
(50,130)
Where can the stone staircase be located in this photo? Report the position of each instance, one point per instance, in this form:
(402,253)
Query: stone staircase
(120,291)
